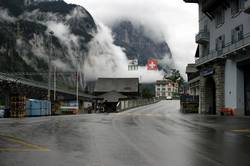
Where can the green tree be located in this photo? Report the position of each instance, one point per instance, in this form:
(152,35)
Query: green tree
(146,93)
(177,78)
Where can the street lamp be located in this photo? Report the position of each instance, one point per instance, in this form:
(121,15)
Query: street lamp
(77,77)
(51,33)
(54,84)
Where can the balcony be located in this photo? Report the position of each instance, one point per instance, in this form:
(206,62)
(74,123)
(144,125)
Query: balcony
(247,7)
(202,37)
(229,48)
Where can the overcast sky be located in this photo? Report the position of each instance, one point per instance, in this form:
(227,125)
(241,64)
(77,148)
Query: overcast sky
(171,20)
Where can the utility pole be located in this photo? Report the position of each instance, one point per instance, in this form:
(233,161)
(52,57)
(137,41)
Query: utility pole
(83,72)
(77,77)
(55,84)
(49,64)
(77,90)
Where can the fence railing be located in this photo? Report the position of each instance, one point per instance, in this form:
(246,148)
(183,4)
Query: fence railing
(129,104)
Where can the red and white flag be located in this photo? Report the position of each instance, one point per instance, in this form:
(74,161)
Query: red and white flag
(152,64)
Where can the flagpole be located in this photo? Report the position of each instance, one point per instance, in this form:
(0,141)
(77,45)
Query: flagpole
(77,75)
(54,84)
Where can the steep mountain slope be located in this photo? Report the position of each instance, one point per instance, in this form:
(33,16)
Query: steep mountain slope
(138,45)
(25,41)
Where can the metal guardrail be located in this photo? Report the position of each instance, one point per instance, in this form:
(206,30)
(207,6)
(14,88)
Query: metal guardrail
(129,104)
(229,48)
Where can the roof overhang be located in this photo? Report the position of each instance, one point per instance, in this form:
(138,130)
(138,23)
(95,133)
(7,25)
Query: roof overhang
(191,1)
(209,6)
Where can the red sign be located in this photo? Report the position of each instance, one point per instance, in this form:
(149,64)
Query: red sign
(152,64)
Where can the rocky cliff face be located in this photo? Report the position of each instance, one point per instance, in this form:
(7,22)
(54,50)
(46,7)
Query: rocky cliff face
(138,45)
(25,41)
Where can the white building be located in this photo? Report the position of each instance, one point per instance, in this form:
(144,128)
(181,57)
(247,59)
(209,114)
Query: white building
(133,65)
(224,55)
(166,89)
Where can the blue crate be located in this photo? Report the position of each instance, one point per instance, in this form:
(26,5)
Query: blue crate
(38,107)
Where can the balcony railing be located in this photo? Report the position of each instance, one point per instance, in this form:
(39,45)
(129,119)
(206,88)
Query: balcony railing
(247,7)
(202,37)
(229,48)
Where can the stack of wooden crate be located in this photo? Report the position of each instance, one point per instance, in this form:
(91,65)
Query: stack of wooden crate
(18,106)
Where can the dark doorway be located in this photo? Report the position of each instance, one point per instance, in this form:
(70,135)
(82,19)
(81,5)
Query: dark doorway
(247,90)
(210,96)
(110,107)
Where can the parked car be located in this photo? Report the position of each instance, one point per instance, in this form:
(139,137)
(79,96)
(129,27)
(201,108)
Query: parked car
(2,112)
(169,98)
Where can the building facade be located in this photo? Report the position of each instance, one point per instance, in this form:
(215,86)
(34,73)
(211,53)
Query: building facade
(112,90)
(193,80)
(166,89)
(224,55)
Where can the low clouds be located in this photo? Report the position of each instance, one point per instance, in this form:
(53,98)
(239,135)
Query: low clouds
(175,22)
(108,60)
(4,16)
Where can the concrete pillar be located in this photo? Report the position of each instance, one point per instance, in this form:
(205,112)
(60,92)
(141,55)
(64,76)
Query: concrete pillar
(230,84)
(219,78)
(202,108)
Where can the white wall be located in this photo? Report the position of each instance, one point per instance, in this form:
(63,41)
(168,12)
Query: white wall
(230,84)
(234,87)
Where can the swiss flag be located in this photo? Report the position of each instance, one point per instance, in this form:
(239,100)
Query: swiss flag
(152,64)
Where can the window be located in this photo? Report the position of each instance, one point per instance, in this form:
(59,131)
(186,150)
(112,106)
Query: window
(158,89)
(205,27)
(219,17)
(205,50)
(220,43)
(236,6)
(169,89)
(237,34)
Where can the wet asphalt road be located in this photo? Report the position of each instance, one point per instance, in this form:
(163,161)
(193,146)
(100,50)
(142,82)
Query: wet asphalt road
(154,135)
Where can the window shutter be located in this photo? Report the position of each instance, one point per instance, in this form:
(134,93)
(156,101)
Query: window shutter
(232,35)
(223,41)
(216,44)
(240,32)
(241,4)
(222,16)
(235,6)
